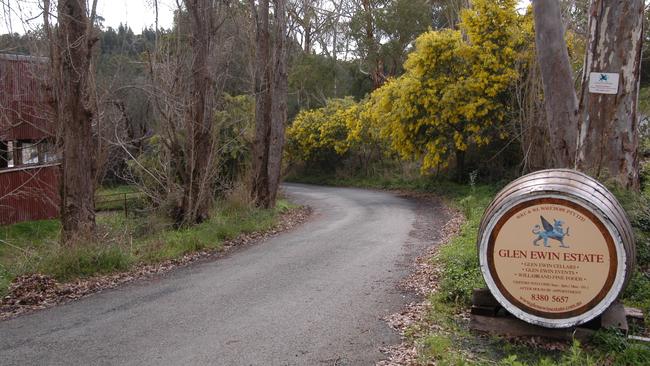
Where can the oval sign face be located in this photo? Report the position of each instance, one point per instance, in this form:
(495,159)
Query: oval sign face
(552,261)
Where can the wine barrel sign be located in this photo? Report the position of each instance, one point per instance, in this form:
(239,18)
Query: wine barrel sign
(556,248)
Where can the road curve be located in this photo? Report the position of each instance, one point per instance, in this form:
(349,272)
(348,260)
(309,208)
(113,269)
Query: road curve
(313,296)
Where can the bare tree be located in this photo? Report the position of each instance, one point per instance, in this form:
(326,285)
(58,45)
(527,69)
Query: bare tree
(188,73)
(530,125)
(303,14)
(71,78)
(197,200)
(608,134)
(447,12)
(271,99)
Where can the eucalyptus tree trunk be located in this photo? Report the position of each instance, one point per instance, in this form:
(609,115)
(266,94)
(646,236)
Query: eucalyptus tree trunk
(271,100)
(198,175)
(608,134)
(71,79)
(560,97)
(279,101)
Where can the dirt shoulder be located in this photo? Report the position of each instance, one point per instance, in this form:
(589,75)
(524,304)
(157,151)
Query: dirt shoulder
(435,225)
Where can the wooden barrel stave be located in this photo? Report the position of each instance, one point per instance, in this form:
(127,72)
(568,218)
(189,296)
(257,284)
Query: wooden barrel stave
(598,196)
(560,174)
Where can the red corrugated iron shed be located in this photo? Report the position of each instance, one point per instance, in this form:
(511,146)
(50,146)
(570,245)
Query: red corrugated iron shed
(25,109)
(29,193)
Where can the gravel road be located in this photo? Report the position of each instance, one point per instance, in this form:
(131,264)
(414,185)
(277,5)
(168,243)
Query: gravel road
(313,296)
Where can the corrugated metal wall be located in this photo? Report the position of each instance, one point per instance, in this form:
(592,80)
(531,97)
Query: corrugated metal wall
(25,111)
(28,194)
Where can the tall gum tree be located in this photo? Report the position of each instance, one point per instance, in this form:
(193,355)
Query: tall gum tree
(71,49)
(600,134)
(197,173)
(270,99)
(608,138)
(557,77)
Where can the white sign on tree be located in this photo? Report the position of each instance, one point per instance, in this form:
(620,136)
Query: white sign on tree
(603,83)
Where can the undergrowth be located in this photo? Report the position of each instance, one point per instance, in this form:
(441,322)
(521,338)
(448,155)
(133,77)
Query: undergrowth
(122,242)
(459,259)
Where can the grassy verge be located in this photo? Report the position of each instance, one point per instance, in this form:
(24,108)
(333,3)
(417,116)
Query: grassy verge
(460,274)
(125,242)
(444,337)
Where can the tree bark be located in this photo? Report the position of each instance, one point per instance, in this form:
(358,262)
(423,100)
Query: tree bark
(263,102)
(71,77)
(271,101)
(197,184)
(279,101)
(608,131)
(560,97)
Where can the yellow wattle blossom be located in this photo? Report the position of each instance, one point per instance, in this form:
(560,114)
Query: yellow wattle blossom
(453,95)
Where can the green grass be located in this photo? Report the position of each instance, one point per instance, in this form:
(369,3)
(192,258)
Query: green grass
(637,207)
(223,225)
(27,234)
(459,259)
(83,261)
(385,181)
(434,347)
(126,241)
(21,248)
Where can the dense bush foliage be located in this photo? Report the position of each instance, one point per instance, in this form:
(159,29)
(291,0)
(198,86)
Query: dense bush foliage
(233,134)
(454,93)
(324,136)
(453,96)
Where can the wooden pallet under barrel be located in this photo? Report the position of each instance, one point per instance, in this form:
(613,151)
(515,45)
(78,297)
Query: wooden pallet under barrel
(487,315)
